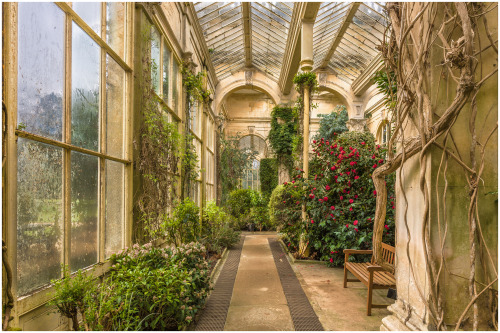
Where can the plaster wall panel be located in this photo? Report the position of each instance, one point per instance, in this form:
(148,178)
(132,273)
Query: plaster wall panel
(173,16)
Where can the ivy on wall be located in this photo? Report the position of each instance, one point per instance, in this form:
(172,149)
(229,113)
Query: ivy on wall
(283,133)
(268,174)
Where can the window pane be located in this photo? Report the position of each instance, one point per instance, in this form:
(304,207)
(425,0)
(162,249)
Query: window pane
(175,75)
(39,214)
(115,86)
(84,206)
(155,59)
(115,26)
(113,228)
(85,90)
(166,71)
(40,68)
(90,12)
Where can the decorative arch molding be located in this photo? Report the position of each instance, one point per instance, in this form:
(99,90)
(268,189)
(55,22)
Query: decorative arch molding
(343,90)
(250,79)
(380,127)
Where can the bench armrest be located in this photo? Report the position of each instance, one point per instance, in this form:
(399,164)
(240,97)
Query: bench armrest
(348,251)
(375,268)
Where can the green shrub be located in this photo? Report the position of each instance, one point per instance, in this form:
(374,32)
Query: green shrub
(184,225)
(332,124)
(69,294)
(239,202)
(217,231)
(268,174)
(150,289)
(260,217)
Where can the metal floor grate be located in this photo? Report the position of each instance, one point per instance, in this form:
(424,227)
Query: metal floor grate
(213,316)
(303,316)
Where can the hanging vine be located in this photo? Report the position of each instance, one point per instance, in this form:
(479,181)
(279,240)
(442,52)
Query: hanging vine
(449,37)
(283,134)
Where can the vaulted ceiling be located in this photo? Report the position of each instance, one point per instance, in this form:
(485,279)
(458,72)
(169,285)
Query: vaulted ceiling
(259,34)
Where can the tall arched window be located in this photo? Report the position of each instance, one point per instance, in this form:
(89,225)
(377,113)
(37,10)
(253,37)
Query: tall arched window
(251,178)
(384,132)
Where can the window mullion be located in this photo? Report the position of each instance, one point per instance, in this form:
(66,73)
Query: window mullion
(66,253)
(103,149)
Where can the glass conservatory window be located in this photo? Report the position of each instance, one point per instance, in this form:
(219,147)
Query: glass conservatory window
(61,210)
(251,178)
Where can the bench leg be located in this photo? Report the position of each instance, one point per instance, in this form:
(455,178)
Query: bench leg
(345,270)
(369,300)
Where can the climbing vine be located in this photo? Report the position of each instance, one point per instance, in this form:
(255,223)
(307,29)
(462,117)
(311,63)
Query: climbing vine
(159,155)
(283,133)
(433,48)
(302,81)
(195,94)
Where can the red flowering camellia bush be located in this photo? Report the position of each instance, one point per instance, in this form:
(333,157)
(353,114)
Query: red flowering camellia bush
(340,196)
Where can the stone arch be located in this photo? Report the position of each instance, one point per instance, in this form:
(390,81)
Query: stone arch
(239,81)
(337,89)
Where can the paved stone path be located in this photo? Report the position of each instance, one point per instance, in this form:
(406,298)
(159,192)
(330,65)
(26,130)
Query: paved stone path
(258,301)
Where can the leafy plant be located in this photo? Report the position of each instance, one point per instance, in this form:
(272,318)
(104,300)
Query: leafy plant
(69,295)
(184,225)
(268,174)
(217,231)
(150,289)
(332,124)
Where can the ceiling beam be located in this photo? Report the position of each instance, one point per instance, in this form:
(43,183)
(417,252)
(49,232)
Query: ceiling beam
(340,34)
(302,11)
(247,32)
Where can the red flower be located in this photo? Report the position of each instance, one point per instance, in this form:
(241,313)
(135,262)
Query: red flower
(351,201)
(347,225)
(312,221)
(341,197)
(327,187)
(386,226)
(297,202)
(381,161)
(320,200)
(355,196)
(374,166)
(285,183)
(332,168)
(284,201)
(325,199)
(331,259)
(314,141)
(373,156)
(374,192)
(350,209)
(392,207)
(363,143)
(356,229)
(293,181)
(332,208)
(311,196)
(335,146)
(355,222)
(356,177)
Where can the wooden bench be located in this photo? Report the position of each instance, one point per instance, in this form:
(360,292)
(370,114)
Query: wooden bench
(373,276)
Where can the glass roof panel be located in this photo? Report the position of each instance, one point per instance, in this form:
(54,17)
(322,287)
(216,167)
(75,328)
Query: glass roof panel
(357,47)
(270,22)
(222,26)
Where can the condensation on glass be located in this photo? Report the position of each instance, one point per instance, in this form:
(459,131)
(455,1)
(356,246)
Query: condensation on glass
(85,73)
(39,214)
(114,218)
(155,60)
(90,12)
(115,26)
(84,210)
(115,104)
(40,69)
(167,55)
